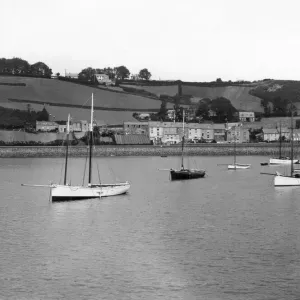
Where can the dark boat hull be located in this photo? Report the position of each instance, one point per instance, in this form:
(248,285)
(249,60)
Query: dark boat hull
(186,174)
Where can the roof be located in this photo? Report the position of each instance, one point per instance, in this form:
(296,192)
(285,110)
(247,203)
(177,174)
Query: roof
(219,126)
(132,139)
(135,123)
(275,130)
(48,123)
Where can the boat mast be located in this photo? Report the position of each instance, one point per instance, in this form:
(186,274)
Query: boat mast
(292,141)
(67,150)
(91,141)
(182,139)
(280,140)
(234,146)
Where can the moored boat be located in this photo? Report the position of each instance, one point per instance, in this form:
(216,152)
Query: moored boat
(294,178)
(67,192)
(238,166)
(184,173)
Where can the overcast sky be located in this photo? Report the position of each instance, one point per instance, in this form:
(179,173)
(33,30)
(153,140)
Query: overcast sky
(191,40)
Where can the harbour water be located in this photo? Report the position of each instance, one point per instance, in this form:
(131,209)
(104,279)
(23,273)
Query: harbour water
(231,235)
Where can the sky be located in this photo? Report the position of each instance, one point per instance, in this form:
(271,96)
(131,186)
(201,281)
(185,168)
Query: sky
(191,40)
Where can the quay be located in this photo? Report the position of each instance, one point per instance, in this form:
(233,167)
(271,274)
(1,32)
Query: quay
(268,149)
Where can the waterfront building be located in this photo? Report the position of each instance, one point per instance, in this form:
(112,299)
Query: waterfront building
(172,132)
(136,128)
(46,126)
(195,132)
(238,134)
(207,132)
(62,127)
(219,132)
(155,132)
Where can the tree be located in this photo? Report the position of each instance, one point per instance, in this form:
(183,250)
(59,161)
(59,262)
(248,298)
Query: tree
(122,72)
(203,110)
(57,74)
(40,68)
(223,108)
(110,72)
(43,115)
(162,114)
(14,65)
(87,74)
(145,74)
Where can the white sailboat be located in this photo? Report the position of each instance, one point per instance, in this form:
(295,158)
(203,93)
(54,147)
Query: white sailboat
(235,165)
(294,178)
(281,160)
(67,192)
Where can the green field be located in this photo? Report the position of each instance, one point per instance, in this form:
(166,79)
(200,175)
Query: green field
(51,91)
(170,90)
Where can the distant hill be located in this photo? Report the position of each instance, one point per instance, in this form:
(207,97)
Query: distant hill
(243,96)
(117,106)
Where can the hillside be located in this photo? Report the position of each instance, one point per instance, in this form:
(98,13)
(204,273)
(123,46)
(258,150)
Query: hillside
(242,96)
(38,91)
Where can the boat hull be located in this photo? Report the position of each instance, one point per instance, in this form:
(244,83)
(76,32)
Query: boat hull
(286,181)
(282,161)
(68,193)
(238,166)
(186,174)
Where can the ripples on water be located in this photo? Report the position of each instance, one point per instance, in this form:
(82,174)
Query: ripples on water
(231,235)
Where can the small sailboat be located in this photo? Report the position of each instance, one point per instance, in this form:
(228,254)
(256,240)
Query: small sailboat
(281,160)
(235,165)
(294,178)
(184,173)
(66,191)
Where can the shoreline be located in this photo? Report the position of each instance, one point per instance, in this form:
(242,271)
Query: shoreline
(140,150)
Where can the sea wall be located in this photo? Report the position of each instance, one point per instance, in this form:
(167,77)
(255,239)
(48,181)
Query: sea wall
(108,150)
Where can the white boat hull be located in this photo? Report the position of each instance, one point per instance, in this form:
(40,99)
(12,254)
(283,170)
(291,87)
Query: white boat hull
(238,166)
(278,161)
(286,181)
(67,192)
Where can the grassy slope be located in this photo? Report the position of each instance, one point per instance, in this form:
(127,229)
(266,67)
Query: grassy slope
(170,90)
(54,91)
(238,95)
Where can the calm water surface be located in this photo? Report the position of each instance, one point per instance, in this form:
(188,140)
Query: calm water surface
(231,235)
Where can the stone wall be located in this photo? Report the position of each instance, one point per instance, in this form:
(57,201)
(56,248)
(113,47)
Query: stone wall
(82,151)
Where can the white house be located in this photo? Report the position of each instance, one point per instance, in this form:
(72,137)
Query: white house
(155,132)
(246,116)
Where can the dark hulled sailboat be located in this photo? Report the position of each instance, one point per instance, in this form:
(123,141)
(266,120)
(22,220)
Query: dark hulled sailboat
(185,173)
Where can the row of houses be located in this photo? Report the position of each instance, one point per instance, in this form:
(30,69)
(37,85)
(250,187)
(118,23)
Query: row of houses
(273,135)
(172,132)
(61,126)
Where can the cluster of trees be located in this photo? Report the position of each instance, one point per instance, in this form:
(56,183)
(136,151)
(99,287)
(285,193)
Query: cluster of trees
(15,118)
(222,108)
(116,73)
(278,107)
(18,66)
